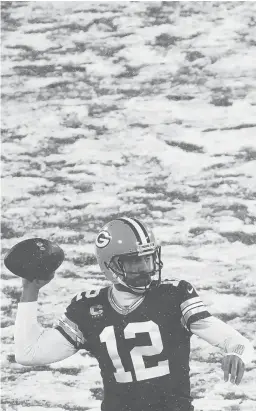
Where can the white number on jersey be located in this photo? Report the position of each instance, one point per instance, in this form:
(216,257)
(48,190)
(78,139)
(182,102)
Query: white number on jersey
(88,294)
(137,353)
(92,293)
(108,336)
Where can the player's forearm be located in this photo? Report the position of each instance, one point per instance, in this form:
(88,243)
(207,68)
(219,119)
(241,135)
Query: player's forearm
(35,345)
(220,334)
(26,331)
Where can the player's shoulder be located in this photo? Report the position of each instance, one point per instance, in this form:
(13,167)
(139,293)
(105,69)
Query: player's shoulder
(175,284)
(166,287)
(88,297)
(182,288)
(87,304)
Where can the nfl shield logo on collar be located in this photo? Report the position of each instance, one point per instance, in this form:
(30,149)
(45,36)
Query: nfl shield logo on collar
(96,310)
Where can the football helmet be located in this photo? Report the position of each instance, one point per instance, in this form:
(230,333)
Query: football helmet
(127,237)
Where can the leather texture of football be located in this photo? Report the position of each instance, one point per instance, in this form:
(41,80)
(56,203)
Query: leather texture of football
(35,258)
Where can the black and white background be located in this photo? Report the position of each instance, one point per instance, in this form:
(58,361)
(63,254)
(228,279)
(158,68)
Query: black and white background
(140,108)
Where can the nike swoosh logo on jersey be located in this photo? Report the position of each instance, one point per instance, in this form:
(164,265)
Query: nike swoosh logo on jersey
(191,290)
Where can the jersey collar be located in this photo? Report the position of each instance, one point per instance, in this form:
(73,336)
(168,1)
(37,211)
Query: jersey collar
(123,309)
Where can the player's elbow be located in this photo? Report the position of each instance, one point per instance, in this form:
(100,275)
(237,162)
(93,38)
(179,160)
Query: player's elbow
(30,358)
(25,358)
(22,359)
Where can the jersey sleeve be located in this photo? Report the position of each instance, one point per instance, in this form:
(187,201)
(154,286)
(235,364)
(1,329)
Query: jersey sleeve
(68,325)
(191,305)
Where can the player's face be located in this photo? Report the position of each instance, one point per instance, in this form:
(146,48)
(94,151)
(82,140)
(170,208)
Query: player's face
(138,270)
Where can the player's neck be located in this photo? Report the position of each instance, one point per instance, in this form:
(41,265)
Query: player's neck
(123,296)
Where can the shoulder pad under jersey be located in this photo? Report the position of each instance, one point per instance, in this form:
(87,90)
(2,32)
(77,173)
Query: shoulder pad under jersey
(86,295)
(184,288)
(174,282)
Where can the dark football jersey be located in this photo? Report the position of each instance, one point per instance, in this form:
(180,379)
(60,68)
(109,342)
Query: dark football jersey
(143,352)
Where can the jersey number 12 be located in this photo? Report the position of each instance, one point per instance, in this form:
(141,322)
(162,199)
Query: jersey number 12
(141,372)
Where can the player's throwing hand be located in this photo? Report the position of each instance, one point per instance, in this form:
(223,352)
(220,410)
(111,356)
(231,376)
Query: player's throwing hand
(36,283)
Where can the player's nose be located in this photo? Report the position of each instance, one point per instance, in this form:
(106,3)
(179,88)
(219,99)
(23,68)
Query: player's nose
(146,264)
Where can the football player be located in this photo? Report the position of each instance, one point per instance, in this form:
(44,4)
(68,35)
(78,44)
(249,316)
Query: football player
(138,328)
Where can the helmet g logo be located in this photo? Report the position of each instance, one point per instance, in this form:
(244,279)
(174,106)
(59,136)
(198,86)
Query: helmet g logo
(103,239)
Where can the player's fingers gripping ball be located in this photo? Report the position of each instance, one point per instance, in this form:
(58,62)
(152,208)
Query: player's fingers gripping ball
(35,258)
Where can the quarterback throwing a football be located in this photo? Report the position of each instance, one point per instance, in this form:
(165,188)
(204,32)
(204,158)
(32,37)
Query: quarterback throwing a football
(138,328)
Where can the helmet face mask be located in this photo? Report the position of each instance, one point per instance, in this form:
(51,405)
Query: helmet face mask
(136,271)
(128,255)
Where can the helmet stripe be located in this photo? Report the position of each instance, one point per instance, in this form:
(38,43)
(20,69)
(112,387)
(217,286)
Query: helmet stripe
(132,228)
(136,228)
(143,229)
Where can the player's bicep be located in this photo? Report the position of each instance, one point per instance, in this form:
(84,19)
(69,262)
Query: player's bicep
(191,305)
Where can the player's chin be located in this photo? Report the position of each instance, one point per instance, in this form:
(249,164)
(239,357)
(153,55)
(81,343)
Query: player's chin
(141,283)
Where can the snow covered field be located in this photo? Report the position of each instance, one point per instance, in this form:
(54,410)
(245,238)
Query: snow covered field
(146,109)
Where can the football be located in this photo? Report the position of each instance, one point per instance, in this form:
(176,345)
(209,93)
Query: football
(35,258)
